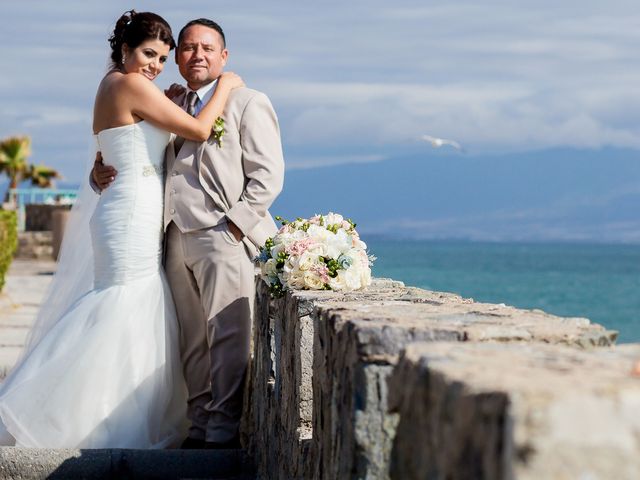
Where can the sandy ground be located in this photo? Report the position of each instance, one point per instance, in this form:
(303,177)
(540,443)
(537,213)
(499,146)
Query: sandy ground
(20,300)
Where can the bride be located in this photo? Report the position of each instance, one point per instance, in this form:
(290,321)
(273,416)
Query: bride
(101,368)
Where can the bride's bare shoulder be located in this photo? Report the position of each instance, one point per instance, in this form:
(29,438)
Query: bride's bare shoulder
(110,78)
(135,82)
(117,82)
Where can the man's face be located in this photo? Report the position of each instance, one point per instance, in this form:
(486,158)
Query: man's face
(200,56)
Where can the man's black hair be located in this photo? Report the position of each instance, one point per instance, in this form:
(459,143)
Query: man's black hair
(207,23)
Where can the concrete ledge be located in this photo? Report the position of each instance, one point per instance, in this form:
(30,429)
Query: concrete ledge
(36,464)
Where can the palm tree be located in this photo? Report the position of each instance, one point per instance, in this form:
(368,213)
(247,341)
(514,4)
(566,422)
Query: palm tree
(14,152)
(13,158)
(41,175)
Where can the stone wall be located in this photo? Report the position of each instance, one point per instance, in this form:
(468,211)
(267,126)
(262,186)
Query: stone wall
(325,365)
(531,412)
(39,216)
(35,245)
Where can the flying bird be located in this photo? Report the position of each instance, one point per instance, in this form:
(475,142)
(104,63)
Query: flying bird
(439,142)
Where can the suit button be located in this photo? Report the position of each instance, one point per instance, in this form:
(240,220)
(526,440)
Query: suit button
(173,191)
(172,211)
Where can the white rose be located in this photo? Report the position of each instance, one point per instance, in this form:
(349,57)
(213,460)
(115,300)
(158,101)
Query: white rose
(269,268)
(318,249)
(293,279)
(338,283)
(307,260)
(318,233)
(344,240)
(359,244)
(290,264)
(299,235)
(365,277)
(333,218)
(313,281)
(352,278)
(332,248)
(276,249)
(337,244)
(362,271)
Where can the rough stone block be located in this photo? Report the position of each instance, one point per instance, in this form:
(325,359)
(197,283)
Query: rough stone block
(259,415)
(39,216)
(278,409)
(526,411)
(357,344)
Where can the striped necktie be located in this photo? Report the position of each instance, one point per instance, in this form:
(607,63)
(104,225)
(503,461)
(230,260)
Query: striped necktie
(192,101)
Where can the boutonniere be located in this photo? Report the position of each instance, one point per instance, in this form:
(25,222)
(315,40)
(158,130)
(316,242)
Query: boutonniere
(218,130)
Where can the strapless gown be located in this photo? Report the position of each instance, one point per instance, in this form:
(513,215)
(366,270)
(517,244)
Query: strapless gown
(108,374)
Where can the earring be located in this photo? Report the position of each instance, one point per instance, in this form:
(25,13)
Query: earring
(123,59)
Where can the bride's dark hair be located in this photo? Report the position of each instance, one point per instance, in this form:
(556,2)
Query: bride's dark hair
(133,28)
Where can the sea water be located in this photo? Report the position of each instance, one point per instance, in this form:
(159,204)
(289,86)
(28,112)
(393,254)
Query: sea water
(600,282)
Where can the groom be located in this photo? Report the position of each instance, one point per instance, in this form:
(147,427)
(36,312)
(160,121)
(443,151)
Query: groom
(216,200)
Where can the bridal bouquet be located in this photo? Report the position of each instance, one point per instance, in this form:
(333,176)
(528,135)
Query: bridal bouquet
(323,252)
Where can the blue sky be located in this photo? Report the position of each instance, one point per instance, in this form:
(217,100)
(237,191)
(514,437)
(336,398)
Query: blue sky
(356,82)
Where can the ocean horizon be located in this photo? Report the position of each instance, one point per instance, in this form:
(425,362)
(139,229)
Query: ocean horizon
(600,282)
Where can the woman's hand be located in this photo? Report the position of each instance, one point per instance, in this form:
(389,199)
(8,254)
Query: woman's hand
(230,80)
(174,91)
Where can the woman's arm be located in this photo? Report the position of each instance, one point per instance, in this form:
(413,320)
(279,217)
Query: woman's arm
(149,103)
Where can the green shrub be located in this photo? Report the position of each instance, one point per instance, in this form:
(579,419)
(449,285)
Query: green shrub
(8,241)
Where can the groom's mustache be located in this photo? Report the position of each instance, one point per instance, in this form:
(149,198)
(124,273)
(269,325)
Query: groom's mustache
(197,63)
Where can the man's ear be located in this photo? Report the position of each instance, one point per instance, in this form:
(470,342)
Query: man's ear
(224,55)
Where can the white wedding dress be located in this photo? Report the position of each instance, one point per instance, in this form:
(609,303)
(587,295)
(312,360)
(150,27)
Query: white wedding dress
(105,371)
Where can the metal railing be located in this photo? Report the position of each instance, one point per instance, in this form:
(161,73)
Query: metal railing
(48,196)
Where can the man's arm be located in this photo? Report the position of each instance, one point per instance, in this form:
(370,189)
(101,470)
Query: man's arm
(101,175)
(263,164)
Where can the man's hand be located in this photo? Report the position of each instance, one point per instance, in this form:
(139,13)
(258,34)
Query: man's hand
(237,233)
(174,91)
(102,174)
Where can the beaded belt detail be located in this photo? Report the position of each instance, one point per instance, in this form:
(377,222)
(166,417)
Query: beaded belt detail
(149,170)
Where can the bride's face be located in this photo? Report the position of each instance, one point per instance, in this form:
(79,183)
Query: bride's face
(148,58)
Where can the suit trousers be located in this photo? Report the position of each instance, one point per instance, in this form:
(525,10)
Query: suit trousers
(213,285)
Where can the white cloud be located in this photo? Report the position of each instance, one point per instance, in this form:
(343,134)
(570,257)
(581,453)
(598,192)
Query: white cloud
(496,76)
(305,162)
(56,116)
(480,116)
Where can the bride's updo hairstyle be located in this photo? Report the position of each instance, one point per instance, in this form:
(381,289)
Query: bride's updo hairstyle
(133,28)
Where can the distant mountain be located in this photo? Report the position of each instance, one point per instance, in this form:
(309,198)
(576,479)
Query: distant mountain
(551,195)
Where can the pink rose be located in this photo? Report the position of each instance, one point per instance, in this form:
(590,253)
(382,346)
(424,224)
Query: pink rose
(298,247)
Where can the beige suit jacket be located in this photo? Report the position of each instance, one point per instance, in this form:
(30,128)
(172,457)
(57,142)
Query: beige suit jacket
(242,177)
